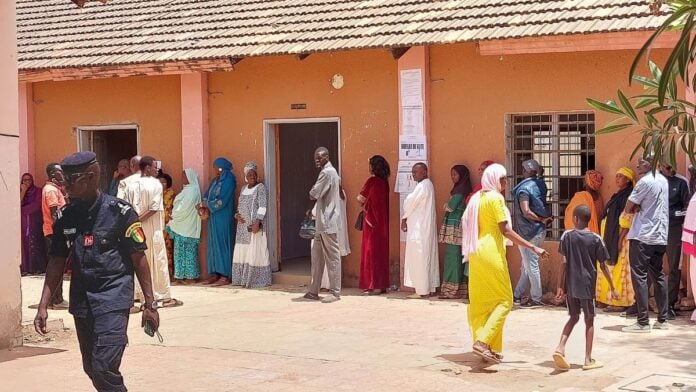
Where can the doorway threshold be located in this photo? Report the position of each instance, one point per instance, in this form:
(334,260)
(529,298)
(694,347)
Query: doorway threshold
(294,272)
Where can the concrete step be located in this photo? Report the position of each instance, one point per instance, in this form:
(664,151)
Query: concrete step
(287,278)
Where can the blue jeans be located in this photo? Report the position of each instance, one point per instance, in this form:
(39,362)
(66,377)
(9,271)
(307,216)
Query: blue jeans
(530,270)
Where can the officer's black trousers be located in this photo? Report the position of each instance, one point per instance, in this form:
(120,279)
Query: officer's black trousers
(102,341)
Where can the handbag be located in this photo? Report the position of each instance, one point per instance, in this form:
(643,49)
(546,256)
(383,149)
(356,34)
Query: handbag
(308,229)
(359,221)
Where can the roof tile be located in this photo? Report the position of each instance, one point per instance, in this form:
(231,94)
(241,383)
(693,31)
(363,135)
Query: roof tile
(54,34)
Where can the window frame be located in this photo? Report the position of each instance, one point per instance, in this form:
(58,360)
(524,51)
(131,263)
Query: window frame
(588,154)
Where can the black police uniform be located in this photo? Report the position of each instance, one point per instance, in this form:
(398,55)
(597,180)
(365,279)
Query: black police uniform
(102,237)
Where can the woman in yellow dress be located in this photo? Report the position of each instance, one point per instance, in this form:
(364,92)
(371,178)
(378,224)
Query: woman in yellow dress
(614,232)
(485,224)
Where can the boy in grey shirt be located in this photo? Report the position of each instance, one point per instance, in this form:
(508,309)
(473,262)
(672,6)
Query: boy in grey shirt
(581,250)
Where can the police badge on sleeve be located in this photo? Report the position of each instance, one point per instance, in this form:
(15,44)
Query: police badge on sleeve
(135,232)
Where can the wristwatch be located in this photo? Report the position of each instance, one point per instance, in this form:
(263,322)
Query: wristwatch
(152,306)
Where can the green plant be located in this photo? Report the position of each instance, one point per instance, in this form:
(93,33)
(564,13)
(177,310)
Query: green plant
(664,120)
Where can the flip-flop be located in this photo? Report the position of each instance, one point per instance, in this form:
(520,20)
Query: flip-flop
(593,365)
(560,361)
(172,303)
(415,296)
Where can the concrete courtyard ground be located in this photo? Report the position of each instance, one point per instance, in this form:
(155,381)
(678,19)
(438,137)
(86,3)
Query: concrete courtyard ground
(230,339)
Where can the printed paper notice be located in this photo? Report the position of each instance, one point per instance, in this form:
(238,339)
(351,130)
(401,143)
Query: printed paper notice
(404,179)
(411,88)
(413,148)
(412,120)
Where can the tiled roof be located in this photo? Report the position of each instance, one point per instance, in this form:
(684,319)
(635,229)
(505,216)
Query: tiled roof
(56,34)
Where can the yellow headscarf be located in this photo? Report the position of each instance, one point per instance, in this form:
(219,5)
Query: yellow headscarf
(628,173)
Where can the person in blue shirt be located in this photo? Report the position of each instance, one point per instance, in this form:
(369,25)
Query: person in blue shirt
(106,242)
(531,220)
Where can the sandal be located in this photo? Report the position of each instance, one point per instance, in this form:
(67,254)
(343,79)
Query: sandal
(593,365)
(172,303)
(560,361)
(486,354)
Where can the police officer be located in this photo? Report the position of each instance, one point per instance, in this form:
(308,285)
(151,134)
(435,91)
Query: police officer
(106,243)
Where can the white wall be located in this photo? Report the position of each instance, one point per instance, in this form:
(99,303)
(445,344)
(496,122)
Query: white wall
(10,290)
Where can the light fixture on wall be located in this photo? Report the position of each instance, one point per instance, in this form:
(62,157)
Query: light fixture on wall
(337,81)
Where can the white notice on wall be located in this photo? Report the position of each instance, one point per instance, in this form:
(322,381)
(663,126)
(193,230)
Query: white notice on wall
(412,120)
(404,179)
(413,147)
(411,88)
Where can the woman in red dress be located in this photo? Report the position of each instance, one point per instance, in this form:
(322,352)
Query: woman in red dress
(374,256)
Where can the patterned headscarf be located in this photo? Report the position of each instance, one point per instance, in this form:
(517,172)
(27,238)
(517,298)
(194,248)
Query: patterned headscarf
(251,165)
(593,179)
(628,173)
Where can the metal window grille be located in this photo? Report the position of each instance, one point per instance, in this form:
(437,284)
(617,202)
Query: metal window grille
(564,145)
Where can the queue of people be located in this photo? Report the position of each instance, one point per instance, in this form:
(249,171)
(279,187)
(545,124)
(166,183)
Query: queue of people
(650,215)
(173,222)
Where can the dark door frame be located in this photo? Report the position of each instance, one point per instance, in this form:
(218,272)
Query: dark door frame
(270,135)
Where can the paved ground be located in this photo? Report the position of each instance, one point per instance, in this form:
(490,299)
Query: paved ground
(227,339)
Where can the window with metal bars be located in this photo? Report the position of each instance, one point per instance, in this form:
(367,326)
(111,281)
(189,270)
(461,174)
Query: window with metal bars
(564,145)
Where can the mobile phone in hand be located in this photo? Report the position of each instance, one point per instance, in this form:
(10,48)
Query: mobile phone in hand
(150,331)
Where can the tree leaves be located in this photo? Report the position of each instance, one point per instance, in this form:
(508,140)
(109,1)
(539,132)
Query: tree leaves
(665,121)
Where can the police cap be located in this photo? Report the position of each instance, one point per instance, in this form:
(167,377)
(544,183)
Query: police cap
(78,161)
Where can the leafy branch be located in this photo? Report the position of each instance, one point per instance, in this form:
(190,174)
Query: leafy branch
(665,121)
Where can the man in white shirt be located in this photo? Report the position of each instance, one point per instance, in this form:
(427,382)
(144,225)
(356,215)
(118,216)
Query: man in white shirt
(648,243)
(145,194)
(135,174)
(422,267)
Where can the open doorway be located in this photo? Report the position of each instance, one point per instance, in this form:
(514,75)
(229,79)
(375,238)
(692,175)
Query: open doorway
(111,144)
(290,150)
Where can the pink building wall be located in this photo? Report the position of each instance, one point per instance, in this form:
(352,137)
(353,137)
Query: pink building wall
(10,291)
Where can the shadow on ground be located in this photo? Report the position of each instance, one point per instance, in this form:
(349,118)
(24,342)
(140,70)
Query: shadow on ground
(471,361)
(27,352)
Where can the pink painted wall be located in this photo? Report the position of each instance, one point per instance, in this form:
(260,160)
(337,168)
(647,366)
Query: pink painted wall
(194,122)
(26,128)
(415,58)
(10,291)
(195,141)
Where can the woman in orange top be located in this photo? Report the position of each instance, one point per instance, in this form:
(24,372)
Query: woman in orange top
(590,197)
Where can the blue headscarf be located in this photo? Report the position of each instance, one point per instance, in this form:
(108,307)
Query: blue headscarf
(226,167)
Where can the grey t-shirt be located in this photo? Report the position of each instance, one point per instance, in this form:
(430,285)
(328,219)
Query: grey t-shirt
(649,226)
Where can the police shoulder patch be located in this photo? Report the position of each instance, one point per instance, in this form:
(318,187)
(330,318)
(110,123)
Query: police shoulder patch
(123,207)
(135,232)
